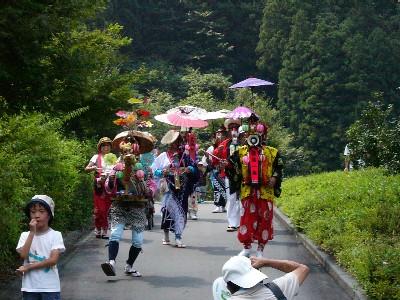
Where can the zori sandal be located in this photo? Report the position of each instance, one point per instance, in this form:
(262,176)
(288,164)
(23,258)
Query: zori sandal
(179,244)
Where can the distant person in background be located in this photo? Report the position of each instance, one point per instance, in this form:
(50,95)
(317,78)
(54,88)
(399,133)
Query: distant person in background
(219,186)
(348,165)
(244,281)
(207,159)
(201,185)
(223,151)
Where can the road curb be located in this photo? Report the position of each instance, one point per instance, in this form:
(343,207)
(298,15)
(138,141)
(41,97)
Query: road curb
(347,282)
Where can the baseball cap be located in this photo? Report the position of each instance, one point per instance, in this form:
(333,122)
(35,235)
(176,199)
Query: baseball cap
(238,270)
(45,200)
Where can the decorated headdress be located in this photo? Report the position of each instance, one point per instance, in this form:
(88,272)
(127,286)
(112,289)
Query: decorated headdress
(256,131)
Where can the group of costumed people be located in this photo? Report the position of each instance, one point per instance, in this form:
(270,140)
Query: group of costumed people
(246,175)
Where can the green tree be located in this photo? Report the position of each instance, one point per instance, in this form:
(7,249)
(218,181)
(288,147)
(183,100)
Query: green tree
(27,29)
(375,138)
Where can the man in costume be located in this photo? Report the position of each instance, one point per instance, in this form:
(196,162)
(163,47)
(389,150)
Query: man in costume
(225,149)
(130,190)
(257,170)
(177,174)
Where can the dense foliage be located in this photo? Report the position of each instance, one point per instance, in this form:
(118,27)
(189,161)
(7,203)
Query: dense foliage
(354,216)
(328,58)
(37,159)
(52,61)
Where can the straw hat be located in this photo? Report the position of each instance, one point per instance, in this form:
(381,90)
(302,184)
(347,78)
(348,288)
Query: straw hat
(231,121)
(170,137)
(103,140)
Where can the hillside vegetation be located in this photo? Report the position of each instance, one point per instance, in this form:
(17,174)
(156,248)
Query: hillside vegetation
(355,217)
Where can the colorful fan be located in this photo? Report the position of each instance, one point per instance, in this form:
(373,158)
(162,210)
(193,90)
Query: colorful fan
(147,159)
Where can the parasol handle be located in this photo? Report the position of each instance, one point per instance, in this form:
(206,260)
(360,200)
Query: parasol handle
(207,153)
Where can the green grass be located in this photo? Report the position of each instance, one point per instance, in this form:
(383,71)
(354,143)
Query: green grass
(355,216)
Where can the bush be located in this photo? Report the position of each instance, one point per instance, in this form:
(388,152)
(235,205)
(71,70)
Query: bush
(355,217)
(37,159)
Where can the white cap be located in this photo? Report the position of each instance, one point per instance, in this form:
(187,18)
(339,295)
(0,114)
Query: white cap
(45,200)
(240,130)
(238,270)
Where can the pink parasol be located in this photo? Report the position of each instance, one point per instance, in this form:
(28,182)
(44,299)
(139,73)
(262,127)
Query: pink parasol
(240,112)
(163,118)
(185,120)
(182,120)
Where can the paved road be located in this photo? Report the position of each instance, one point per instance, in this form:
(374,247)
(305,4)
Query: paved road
(171,273)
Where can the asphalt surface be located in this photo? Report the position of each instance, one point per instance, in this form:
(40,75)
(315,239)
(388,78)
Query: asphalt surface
(172,273)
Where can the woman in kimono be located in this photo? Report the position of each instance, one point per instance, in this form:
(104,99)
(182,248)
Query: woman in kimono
(177,174)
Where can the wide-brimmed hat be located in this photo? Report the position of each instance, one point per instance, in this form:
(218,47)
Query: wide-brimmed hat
(44,200)
(239,271)
(144,139)
(103,140)
(170,137)
(231,121)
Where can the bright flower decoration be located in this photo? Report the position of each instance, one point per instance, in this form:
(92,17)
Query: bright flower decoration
(132,120)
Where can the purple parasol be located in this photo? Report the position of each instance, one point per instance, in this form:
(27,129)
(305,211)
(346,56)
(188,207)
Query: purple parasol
(249,82)
(240,112)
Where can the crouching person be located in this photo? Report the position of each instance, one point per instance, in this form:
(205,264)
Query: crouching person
(244,281)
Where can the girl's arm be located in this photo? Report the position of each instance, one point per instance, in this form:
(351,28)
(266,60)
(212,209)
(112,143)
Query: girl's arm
(52,261)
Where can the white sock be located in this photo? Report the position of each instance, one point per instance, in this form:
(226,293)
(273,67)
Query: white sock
(112,262)
(245,252)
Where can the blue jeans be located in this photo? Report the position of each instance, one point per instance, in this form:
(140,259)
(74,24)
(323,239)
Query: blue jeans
(116,233)
(41,296)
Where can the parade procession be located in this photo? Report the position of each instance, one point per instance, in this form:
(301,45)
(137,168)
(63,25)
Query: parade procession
(200,150)
(238,171)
